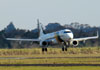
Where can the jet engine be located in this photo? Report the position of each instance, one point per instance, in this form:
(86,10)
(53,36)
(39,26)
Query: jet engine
(75,43)
(46,43)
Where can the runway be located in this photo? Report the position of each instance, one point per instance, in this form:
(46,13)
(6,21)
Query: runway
(46,64)
(49,64)
(42,57)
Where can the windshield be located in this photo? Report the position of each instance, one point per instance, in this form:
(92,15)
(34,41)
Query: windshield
(67,31)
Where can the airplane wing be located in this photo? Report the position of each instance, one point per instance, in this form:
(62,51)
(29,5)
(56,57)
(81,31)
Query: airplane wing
(87,38)
(14,39)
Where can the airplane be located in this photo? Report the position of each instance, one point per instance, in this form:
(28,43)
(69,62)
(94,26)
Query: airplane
(63,37)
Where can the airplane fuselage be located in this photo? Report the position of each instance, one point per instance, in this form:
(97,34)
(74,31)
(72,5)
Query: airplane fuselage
(65,35)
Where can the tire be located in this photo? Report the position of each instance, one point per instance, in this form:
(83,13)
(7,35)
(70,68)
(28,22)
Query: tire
(46,49)
(63,49)
(43,49)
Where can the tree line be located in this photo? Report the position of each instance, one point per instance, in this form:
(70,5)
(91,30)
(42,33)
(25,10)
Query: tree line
(79,30)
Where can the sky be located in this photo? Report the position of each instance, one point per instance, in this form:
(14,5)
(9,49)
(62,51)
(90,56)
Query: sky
(24,13)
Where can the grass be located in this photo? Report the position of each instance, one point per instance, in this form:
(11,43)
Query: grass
(52,52)
(51,68)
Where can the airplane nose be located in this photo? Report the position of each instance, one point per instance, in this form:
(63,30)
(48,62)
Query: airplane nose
(70,36)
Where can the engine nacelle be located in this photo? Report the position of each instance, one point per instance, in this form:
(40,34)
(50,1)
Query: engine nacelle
(46,43)
(75,43)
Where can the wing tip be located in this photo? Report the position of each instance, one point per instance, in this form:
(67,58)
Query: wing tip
(97,34)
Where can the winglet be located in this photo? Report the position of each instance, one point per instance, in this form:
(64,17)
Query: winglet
(97,34)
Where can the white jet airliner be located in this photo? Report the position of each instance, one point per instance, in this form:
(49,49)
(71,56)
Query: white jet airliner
(64,37)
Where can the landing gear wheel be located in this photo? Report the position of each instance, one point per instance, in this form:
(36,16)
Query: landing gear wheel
(62,48)
(65,49)
(65,46)
(44,49)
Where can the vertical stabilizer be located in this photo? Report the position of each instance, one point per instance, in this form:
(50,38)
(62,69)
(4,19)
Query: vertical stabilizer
(40,27)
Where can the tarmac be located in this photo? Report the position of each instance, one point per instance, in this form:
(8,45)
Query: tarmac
(49,64)
(46,64)
(42,57)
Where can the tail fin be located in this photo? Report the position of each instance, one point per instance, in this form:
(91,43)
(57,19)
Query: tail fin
(41,31)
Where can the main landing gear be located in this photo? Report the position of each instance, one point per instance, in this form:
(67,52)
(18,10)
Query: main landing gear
(64,49)
(44,49)
(65,46)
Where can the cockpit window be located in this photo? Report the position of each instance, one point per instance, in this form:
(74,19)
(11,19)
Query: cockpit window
(67,31)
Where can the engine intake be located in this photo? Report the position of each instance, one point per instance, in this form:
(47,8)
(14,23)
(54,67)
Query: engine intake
(75,43)
(45,43)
